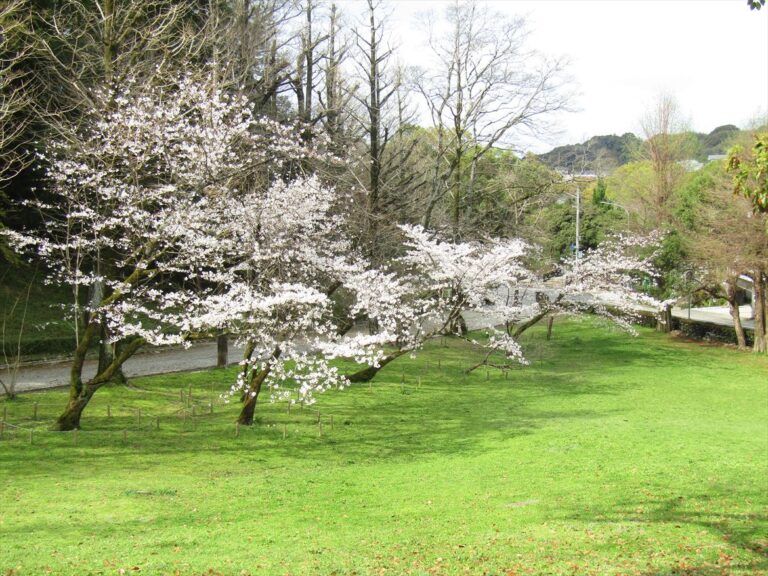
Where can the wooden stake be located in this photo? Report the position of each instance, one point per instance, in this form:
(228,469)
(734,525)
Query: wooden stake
(34,415)
(181,395)
(30,436)
(319,428)
(418,385)
(138,418)
(125,435)
(237,429)
(550,321)
(285,426)
(289,407)
(318,416)
(331,421)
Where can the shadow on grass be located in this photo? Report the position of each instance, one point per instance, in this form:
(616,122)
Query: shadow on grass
(415,409)
(748,531)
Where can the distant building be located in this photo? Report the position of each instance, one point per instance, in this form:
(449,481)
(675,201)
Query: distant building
(580,177)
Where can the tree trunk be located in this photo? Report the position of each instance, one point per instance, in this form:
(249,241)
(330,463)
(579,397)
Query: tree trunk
(520,328)
(761,345)
(70,418)
(249,408)
(222,351)
(80,394)
(251,394)
(250,397)
(733,307)
(457,326)
(664,319)
(367,374)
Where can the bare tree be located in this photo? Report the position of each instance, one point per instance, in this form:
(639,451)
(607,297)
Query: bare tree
(91,48)
(486,89)
(666,147)
(10,343)
(385,120)
(15,98)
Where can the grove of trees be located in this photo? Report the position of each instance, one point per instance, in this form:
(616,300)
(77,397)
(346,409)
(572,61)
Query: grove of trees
(264,169)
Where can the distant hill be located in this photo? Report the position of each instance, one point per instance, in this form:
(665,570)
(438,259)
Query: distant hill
(717,141)
(603,154)
(599,154)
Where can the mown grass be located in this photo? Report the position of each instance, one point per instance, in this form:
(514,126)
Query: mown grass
(609,455)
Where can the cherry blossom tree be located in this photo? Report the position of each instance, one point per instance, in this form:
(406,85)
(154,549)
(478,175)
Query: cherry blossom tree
(134,211)
(604,281)
(437,283)
(287,251)
(443,281)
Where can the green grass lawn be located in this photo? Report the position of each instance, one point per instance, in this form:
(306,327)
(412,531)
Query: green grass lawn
(609,455)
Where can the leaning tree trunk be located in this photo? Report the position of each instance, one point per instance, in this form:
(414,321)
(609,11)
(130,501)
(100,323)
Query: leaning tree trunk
(80,393)
(367,374)
(761,345)
(251,396)
(255,381)
(249,409)
(733,307)
(70,418)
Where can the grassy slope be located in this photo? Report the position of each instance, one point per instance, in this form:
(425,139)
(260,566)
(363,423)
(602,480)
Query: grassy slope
(608,456)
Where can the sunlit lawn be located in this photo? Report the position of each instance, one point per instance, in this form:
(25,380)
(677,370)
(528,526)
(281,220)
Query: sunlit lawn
(609,455)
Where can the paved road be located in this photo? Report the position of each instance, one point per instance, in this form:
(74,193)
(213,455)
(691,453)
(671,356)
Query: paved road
(152,361)
(203,355)
(716,315)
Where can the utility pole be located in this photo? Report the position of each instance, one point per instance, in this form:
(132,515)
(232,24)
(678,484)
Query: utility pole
(578,219)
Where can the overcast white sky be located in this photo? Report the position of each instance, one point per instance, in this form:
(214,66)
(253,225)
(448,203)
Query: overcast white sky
(712,55)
